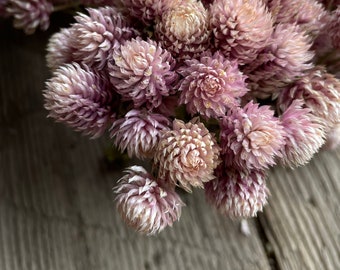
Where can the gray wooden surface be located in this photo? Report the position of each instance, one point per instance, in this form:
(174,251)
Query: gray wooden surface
(57,212)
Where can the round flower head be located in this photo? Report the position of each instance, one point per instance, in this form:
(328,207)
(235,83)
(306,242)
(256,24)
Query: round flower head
(30,14)
(149,11)
(144,204)
(142,72)
(308,14)
(97,34)
(211,85)
(333,137)
(241,27)
(334,28)
(59,49)
(183,30)
(139,132)
(320,92)
(304,132)
(279,64)
(251,137)
(237,194)
(78,97)
(187,155)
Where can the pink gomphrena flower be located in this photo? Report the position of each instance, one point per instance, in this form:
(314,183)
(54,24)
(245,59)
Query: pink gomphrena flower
(184,30)
(80,98)
(237,194)
(187,155)
(333,138)
(96,35)
(281,62)
(30,14)
(320,92)
(308,14)
(143,72)
(304,135)
(334,28)
(59,49)
(149,11)
(211,85)
(139,132)
(251,137)
(144,203)
(241,28)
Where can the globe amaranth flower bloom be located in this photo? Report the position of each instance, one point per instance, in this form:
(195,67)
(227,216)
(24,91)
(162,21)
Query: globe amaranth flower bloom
(143,72)
(281,62)
(237,194)
(144,204)
(308,14)
(251,137)
(211,85)
(96,35)
(304,133)
(150,10)
(30,14)
(139,132)
(184,29)
(80,98)
(241,28)
(59,49)
(333,28)
(320,92)
(187,155)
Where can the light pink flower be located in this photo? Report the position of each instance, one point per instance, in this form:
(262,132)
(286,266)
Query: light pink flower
(139,132)
(96,35)
(304,135)
(59,49)
(143,72)
(80,98)
(320,92)
(334,28)
(308,14)
(251,137)
(148,11)
(30,14)
(187,155)
(211,85)
(184,30)
(238,194)
(144,204)
(241,28)
(281,62)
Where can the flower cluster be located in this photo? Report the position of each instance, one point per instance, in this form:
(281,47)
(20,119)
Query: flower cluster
(211,94)
(30,15)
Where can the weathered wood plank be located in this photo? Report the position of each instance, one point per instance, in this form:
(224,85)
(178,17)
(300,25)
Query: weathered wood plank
(302,220)
(56,208)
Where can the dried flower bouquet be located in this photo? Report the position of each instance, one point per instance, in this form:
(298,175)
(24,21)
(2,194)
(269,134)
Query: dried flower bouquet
(211,93)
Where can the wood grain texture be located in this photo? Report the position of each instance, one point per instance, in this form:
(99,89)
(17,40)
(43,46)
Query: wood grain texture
(302,220)
(56,202)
